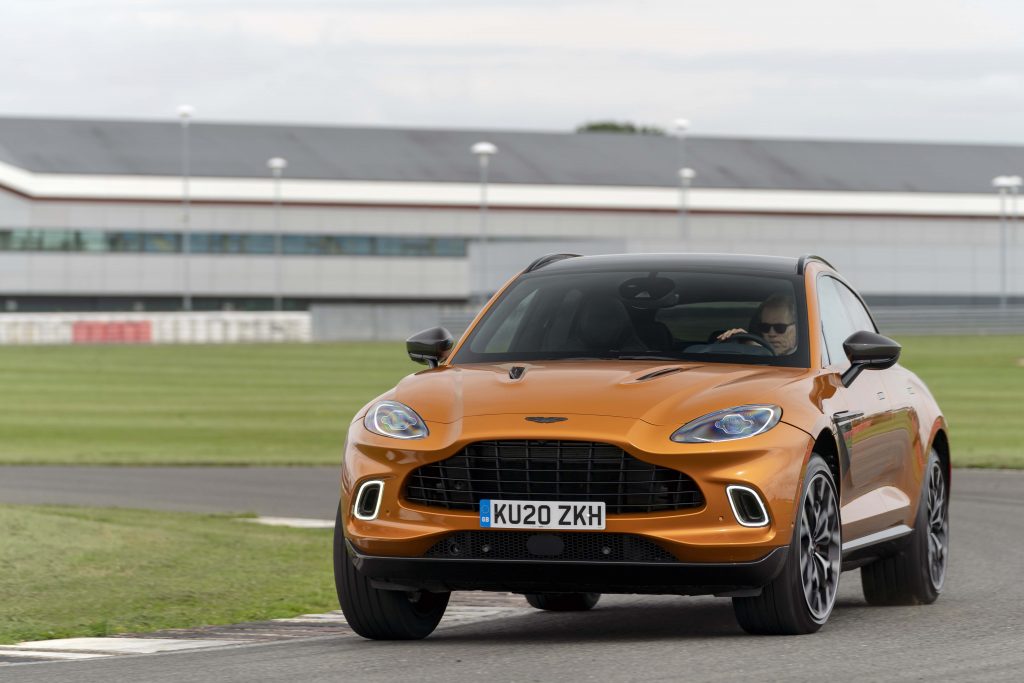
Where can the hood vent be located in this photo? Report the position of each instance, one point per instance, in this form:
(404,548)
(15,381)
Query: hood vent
(516,372)
(658,373)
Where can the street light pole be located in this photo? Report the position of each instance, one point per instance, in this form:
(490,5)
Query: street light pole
(686,176)
(483,151)
(679,129)
(1014,214)
(185,113)
(277,166)
(1005,185)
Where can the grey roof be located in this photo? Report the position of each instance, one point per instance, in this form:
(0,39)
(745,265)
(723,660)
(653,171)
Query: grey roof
(353,153)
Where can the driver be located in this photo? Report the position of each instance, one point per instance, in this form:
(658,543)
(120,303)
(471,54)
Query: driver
(775,322)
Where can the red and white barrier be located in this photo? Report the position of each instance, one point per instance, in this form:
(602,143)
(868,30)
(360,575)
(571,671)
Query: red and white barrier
(227,327)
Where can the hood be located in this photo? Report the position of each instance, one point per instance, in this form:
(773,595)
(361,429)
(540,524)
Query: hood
(660,394)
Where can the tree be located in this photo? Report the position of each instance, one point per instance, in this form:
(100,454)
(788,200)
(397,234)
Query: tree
(627,127)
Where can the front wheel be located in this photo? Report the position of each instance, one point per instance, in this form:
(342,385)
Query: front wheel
(801,597)
(916,574)
(382,614)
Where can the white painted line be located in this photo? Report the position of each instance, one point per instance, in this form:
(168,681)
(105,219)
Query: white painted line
(294,522)
(135,646)
(329,617)
(52,655)
(455,613)
(465,613)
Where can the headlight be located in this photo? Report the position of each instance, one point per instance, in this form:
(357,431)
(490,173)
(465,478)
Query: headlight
(728,425)
(394,419)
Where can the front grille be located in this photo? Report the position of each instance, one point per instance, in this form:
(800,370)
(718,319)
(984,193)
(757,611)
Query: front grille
(573,546)
(551,470)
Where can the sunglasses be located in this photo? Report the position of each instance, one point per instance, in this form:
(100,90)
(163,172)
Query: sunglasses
(778,328)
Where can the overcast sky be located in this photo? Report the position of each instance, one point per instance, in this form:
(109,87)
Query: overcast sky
(941,70)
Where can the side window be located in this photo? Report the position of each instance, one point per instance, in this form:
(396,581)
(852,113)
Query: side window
(836,325)
(855,309)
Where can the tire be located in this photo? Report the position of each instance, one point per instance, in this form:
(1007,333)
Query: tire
(916,574)
(563,602)
(800,599)
(382,614)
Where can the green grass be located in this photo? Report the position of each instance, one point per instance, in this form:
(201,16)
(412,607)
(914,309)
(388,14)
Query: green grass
(979,384)
(291,404)
(245,404)
(67,572)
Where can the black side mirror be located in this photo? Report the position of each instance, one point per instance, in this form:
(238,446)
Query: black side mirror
(429,346)
(869,351)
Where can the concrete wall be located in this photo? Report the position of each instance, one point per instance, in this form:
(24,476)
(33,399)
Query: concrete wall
(360,277)
(385,322)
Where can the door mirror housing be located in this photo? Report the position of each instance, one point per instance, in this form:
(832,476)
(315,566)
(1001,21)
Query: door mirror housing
(869,351)
(430,346)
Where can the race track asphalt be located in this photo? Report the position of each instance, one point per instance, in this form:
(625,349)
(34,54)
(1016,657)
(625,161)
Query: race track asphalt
(271,491)
(974,632)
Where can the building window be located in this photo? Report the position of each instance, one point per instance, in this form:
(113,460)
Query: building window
(121,241)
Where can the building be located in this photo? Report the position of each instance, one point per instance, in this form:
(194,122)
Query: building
(92,215)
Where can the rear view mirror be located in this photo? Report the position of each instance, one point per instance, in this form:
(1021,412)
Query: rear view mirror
(429,346)
(869,351)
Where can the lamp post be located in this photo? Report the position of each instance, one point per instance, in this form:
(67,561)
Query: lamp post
(686,176)
(185,113)
(483,151)
(277,166)
(679,128)
(1005,184)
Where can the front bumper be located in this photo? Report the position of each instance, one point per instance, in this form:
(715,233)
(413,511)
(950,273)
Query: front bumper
(708,536)
(682,578)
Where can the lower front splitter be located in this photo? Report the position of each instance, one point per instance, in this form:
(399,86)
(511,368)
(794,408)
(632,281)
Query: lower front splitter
(533,575)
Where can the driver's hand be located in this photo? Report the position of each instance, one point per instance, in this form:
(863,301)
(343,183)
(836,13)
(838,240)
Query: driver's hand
(728,333)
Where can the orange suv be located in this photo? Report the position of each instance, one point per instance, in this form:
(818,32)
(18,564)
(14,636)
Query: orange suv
(677,424)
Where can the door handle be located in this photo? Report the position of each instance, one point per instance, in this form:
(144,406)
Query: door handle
(845,416)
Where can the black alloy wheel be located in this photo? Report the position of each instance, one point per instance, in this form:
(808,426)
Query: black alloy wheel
(916,574)
(800,599)
(382,614)
(820,551)
(938,526)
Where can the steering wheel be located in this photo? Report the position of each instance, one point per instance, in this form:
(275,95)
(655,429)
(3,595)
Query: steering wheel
(748,336)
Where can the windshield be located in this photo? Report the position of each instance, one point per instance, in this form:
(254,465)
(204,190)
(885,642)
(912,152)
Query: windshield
(672,315)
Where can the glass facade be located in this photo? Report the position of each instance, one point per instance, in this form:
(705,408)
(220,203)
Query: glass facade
(122,241)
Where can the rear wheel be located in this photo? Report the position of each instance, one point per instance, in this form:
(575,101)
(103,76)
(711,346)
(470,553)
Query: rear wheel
(382,614)
(563,602)
(916,574)
(801,597)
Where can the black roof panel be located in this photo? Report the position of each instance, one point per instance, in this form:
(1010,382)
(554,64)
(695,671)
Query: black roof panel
(740,262)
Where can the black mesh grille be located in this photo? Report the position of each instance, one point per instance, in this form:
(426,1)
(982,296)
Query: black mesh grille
(573,546)
(551,470)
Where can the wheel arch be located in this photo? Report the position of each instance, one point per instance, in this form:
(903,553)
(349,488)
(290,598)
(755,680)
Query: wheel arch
(825,445)
(940,443)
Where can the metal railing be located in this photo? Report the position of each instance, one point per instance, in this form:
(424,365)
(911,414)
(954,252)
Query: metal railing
(949,320)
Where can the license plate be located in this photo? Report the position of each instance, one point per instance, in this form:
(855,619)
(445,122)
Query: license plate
(526,514)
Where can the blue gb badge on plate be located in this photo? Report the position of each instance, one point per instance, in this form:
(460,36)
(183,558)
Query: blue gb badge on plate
(485,513)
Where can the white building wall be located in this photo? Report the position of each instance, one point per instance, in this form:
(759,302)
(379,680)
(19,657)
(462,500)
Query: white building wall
(358,277)
(880,254)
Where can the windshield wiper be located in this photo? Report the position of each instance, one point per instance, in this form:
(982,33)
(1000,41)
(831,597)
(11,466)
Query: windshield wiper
(671,358)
